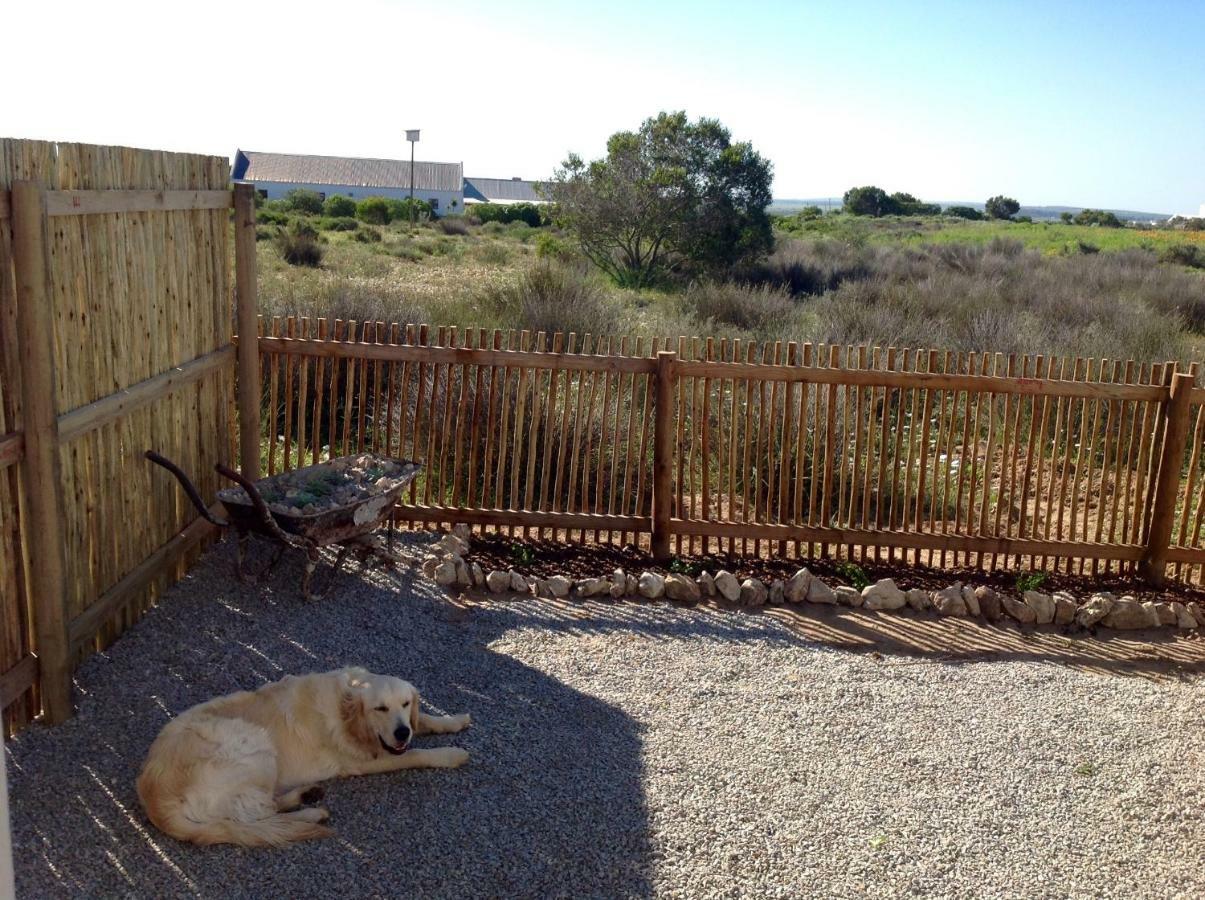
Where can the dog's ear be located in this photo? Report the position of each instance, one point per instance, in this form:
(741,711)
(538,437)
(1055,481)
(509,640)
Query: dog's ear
(355,723)
(414,713)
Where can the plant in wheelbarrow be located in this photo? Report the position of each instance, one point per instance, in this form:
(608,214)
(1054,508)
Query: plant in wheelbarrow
(340,504)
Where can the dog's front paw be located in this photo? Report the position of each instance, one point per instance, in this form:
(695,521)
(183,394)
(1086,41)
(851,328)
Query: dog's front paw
(461,722)
(454,757)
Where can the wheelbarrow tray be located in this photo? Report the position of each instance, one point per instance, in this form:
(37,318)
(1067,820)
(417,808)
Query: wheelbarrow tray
(328,526)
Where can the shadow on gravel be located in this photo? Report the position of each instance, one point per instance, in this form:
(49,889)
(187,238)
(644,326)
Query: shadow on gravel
(551,802)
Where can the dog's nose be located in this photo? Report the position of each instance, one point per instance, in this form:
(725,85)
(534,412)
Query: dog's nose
(401,734)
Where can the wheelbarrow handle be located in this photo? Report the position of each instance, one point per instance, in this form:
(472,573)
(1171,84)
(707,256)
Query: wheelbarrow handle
(266,518)
(189,487)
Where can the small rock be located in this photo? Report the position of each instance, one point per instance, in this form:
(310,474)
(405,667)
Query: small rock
(819,592)
(727,585)
(1197,611)
(445,573)
(633,586)
(1042,606)
(1128,614)
(1019,609)
(883,594)
(451,545)
(619,584)
(796,588)
(1097,607)
(559,585)
(848,596)
(1164,613)
(948,601)
(429,564)
(971,601)
(462,531)
(498,581)
(706,584)
(753,592)
(681,587)
(463,577)
(477,573)
(1184,618)
(533,585)
(777,592)
(919,599)
(518,583)
(990,606)
(593,587)
(1064,608)
(651,585)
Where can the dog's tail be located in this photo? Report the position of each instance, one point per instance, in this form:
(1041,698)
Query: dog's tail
(273,831)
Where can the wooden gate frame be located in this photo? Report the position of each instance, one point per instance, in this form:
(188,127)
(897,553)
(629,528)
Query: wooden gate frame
(44,429)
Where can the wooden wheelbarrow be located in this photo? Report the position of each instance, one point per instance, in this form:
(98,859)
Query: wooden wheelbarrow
(349,521)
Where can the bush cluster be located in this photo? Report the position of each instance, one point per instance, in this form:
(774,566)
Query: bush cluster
(506,213)
(299,245)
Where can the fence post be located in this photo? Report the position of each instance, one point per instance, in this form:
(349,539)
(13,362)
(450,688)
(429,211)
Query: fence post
(43,479)
(249,399)
(1167,479)
(663,453)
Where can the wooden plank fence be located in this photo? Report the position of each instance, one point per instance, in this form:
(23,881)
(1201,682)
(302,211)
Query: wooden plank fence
(709,446)
(115,337)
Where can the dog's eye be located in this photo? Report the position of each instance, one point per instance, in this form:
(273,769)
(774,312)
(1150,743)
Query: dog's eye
(382,709)
(406,704)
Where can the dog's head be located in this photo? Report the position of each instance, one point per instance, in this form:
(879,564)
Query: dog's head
(379,712)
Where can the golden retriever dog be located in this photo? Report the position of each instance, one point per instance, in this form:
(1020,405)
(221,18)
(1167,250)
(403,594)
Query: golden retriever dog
(237,769)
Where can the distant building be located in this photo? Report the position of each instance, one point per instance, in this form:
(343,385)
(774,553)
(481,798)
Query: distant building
(443,185)
(503,190)
(275,174)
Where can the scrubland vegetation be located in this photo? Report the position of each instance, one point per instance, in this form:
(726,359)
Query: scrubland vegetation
(709,261)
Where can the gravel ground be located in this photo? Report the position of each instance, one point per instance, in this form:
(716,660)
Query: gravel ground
(631,750)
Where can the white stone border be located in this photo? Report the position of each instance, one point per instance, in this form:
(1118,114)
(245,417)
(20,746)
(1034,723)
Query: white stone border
(447,566)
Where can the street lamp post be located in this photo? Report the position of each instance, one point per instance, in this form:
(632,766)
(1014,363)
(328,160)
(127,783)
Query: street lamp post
(412,137)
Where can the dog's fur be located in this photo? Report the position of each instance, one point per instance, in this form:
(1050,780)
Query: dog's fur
(237,769)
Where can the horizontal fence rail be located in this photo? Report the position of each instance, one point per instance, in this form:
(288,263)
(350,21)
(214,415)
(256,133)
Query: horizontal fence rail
(949,459)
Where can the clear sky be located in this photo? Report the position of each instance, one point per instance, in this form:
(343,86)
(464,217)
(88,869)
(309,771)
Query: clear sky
(1074,102)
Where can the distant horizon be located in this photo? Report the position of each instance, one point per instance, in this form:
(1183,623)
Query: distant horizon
(837,199)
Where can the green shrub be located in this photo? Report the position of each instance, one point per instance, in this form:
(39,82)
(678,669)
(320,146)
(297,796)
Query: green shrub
(340,223)
(407,250)
(339,206)
(549,246)
(265,234)
(298,245)
(302,201)
(964,212)
(1183,255)
(271,217)
(1030,581)
(507,213)
(399,210)
(493,228)
(367,235)
(854,574)
(374,210)
(1098,217)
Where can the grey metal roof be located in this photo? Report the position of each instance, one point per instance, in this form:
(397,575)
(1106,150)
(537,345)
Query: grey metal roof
(251,165)
(502,190)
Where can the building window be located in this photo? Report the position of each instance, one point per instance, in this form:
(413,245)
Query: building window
(263,193)
(322,196)
(434,203)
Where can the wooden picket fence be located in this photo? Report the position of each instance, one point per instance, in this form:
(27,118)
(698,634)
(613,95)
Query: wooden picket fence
(693,446)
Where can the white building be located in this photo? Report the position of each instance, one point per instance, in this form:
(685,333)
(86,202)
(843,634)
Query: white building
(275,174)
(503,190)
